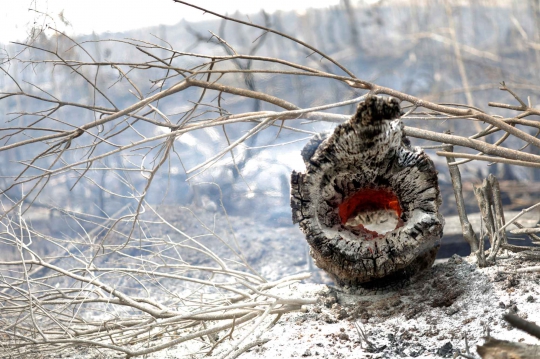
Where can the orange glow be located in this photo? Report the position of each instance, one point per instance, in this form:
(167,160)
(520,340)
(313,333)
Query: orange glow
(368,199)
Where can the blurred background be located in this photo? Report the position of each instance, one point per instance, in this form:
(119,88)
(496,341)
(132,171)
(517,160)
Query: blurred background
(441,51)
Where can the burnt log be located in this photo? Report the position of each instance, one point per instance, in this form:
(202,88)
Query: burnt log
(368,202)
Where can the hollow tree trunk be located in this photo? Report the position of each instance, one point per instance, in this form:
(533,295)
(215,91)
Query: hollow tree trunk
(368,202)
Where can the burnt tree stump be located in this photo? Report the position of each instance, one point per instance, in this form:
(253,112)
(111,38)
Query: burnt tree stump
(368,202)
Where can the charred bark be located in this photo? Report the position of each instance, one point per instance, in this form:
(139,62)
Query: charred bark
(368,202)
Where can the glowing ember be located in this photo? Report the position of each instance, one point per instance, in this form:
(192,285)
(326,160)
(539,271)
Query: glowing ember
(372,210)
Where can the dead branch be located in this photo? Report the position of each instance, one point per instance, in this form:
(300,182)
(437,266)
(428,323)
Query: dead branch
(124,281)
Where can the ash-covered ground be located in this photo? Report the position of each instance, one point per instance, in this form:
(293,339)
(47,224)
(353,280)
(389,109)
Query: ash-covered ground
(429,318)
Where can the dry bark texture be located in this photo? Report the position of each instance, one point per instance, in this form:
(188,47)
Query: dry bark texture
(502,349)
(368,202)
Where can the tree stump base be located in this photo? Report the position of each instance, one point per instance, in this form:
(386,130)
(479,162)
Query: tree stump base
(368,202)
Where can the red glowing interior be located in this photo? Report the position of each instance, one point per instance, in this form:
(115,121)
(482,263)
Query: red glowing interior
(368,199)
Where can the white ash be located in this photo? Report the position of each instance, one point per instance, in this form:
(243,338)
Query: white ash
(417,321)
